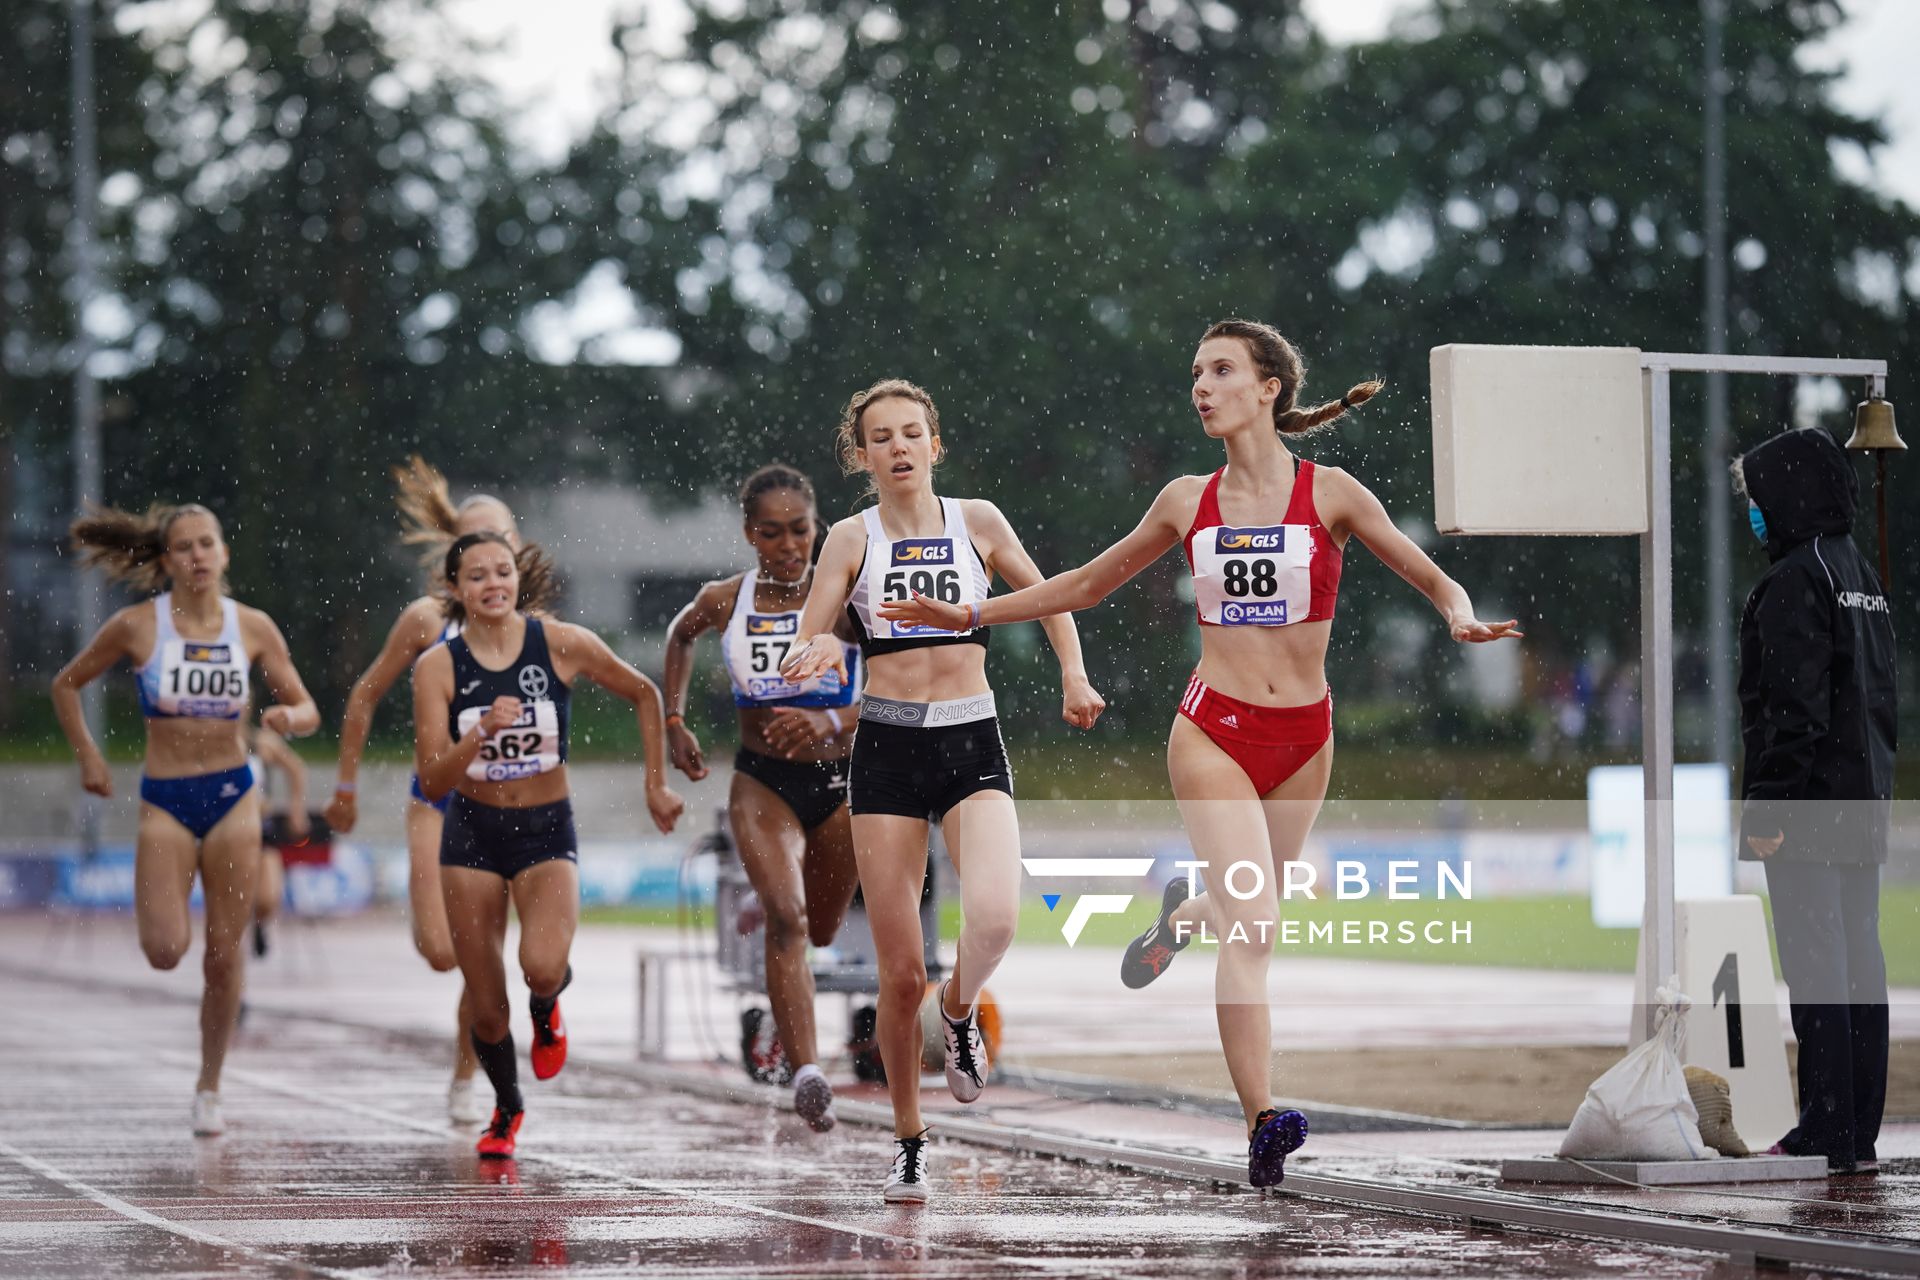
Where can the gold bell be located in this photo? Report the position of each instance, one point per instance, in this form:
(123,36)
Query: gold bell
(1873,426)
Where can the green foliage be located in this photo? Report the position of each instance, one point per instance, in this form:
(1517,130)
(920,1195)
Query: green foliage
(315,311)
(1032,208)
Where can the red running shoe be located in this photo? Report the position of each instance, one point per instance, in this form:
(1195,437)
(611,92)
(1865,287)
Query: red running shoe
(549,1052)
(1148,955)
(497,1142)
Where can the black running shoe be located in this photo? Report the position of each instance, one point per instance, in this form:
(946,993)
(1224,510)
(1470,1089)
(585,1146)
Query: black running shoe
(864,1049)
(1276,1135)
(1149,954)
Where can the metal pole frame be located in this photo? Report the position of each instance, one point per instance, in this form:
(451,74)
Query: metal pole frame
(1656,624)
(1716,622)
(90,599)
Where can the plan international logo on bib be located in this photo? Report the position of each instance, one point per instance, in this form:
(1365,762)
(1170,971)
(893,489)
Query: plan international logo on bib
(1268,613)
(923,551)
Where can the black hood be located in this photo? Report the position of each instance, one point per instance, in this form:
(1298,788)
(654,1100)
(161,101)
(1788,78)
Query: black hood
(1803,485)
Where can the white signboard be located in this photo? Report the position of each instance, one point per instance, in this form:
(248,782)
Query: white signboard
(1617,825)
(1538,440)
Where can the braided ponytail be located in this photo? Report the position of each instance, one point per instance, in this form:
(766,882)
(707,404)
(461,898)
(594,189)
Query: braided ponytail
(1275,357)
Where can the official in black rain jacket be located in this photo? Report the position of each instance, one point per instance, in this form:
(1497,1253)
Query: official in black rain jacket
(1817,702)
(1817,695)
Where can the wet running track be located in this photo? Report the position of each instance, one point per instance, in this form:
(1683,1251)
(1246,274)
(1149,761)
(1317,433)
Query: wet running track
(337,1162)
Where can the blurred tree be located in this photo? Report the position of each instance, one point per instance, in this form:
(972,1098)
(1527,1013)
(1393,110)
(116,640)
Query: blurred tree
(331,277)
(325,257)
(1030,208)
(998,202)
(1546,163)
(36,317)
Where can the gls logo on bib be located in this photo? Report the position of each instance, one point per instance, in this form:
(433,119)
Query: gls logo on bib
(1271,538)
(923,551)
(772,624)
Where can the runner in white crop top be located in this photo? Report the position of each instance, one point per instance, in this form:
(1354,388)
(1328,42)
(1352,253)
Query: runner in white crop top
(929,745)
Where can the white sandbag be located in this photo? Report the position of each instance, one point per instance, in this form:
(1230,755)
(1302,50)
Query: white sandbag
(1640,1109)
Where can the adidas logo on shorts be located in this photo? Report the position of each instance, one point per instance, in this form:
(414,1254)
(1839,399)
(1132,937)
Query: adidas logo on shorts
(1231,721)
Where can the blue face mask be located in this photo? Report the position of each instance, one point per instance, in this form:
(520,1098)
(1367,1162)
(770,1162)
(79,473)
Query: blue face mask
(1757,522)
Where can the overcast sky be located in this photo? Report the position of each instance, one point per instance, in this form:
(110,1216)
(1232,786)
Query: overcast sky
(557,57)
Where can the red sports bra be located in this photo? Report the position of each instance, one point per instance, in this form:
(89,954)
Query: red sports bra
(1263,575)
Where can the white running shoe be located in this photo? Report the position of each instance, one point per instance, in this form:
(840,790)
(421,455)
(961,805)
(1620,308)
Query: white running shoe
(966,1053)
(207,1120)
(907,1184)
(464,1105)
(813,1098)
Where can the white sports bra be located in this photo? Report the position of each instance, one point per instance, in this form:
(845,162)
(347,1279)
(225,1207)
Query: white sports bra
(947,568)
(194,679)
(755,644)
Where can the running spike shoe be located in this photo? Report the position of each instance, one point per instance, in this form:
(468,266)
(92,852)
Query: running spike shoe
(1148,955)
(549,1051)
(907,1183)
(761,1052)
(1276,1135)
(966,1053)
(208,1122)
(863,1049)
(463,1103)
(497,1142)
(813,1101)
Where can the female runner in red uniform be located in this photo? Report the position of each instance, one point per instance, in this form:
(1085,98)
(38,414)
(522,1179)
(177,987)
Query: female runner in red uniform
(1251,749)
(433,522)
(788,799)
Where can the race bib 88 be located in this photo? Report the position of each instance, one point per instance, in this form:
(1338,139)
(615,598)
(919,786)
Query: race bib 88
(1253,577)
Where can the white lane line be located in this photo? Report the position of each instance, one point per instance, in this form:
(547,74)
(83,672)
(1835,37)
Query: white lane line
(272,1085)
(135,1213)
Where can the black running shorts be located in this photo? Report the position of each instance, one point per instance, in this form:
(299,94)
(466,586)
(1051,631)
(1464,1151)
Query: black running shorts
(922,773)
(506,841)
(813,789)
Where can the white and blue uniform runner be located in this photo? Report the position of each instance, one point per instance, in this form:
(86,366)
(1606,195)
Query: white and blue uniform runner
(186,679)
(754,646)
